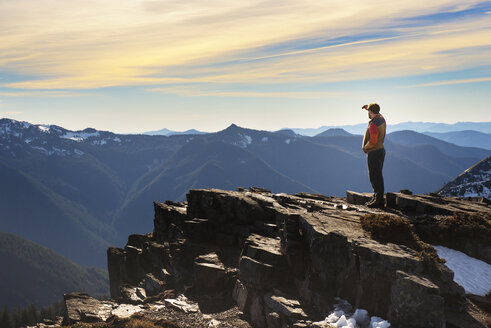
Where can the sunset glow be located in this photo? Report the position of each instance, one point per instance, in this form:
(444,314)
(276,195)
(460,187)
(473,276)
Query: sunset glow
(155,64)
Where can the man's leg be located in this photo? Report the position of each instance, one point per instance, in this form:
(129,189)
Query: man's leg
(375,160)
(380,179)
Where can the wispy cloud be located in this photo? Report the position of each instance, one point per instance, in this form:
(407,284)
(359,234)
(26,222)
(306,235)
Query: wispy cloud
(448,82)
(197,91)
(44,94)
(5,114)
(154,43)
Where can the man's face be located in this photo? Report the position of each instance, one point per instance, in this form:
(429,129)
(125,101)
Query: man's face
(371,114)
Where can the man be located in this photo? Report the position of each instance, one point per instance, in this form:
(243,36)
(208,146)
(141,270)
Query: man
(373,146)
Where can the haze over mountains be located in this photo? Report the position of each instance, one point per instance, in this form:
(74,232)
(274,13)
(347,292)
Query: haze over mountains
(466,138)
(32,274)
(423,127)
(77,192)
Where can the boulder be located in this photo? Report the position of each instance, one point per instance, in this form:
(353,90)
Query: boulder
(153,286)
(209,272)
(416,300)
(133,295)
(357,198)
(261,263)
(290,309)
(82,307)
(165,215)
(116,270)
(181,303)
(199,230)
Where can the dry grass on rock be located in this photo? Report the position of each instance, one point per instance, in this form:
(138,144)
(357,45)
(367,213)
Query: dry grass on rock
(388,228)
(394,229)
(133,322)
(473,225)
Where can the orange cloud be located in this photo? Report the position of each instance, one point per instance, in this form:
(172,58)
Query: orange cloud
(120,43)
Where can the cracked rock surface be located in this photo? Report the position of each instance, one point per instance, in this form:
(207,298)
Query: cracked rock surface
(254,258)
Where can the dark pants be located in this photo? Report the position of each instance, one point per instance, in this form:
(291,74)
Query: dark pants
(375,160)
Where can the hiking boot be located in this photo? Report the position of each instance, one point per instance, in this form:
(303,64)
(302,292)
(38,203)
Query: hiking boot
(376,204)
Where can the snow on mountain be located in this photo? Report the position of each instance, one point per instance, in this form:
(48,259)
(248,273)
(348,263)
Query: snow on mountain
(79,136)
(473,182)
(50,139)
(44,128)
(243,141)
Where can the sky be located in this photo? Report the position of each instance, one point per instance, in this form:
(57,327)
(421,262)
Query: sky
(135,66)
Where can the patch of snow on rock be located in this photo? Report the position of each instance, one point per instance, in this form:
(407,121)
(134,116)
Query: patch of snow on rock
(287,141)
(343,317)
(472,274)
(361,316)
(41,150)
(78,152)
(264,139)
(26,124)
(44,128)
(60,152)
(244,141)
(116,139)
(79,136)
(100,142)
(376,322)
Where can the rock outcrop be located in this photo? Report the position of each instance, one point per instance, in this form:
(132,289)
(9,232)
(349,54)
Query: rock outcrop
(283,259)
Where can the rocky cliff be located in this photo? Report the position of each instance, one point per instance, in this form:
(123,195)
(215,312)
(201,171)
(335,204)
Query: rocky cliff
(253,258)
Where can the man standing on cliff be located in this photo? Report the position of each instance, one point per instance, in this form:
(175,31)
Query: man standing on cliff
(373,146)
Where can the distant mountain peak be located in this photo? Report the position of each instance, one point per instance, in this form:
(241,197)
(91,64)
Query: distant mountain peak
(233,126)
(287,132)
(473,182)
(334,132)
(167,132)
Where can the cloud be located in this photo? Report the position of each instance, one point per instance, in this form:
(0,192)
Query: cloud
(199,91)
(448,82)
(59,44)
(4,114)
(43,94)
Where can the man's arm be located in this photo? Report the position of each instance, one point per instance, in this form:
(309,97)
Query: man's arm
(373,131)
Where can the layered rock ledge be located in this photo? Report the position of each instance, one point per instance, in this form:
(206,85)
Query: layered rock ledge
(281,260)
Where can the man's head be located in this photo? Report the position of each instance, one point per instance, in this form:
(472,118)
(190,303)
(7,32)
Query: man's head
(373,110)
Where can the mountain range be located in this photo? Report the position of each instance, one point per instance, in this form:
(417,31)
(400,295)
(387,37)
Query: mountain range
(466,138)
(77,192)
(422,127)
(433,129)
(167,132)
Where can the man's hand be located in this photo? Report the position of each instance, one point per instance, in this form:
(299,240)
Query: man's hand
(365,107)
